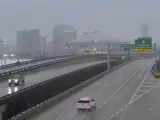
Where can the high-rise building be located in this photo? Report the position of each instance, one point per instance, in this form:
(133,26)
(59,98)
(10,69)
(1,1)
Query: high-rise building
(144,30)
(28,42)
(62,34)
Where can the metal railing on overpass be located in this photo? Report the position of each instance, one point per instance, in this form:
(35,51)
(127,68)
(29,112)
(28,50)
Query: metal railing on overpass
(50,58)
(33,67)
(47,63)
(50,62)
(29,61)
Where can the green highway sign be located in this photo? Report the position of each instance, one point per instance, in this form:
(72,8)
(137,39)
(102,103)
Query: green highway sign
(125,47)
(143,44)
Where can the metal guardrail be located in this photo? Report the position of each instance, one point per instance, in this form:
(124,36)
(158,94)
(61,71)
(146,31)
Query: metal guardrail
(53,100)
(39,65)
(27,62)
(33,67)
(42,59)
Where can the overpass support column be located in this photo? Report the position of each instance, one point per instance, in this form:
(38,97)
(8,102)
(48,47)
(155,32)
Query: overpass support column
(108,56)
(129,54)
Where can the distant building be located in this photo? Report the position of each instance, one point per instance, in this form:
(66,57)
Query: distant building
(28,42)
(62,34)
(144,30)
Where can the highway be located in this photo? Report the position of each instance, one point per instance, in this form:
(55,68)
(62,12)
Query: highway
(111,92)
(146,104)
(40,76)
(25,65)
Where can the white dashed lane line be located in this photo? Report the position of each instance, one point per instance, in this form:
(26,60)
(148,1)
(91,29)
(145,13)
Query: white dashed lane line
(105,102)
(58,118)
(148,83)
(152,107)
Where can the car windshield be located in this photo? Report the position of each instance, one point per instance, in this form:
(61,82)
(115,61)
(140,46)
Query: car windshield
(83,101)
(14,77)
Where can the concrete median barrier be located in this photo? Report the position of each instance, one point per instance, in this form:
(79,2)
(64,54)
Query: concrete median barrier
(155,72)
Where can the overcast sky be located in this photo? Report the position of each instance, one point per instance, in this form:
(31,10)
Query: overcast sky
(118,18)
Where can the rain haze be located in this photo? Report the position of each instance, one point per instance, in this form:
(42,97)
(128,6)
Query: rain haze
(79,59)
(118,18)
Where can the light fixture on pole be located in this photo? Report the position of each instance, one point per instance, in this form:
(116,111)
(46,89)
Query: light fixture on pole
(44,44)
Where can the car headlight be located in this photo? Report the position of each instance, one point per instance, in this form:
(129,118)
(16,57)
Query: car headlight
(16,80)
(9,80)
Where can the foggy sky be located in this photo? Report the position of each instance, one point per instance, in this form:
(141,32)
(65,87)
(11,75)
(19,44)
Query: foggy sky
(119,18)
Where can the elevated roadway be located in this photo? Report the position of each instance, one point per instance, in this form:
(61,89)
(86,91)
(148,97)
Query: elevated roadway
(42,75)
(113,55)
(25,65)
(111,92)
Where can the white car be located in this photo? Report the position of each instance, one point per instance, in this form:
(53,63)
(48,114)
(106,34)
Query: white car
(16,80)
(86,103)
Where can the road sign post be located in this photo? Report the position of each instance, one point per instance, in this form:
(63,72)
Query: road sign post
(143,44)
(126,47)
(132,47)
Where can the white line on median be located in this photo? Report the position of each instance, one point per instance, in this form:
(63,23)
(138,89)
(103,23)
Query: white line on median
(146,92)
(139,86)
(143,90)
(123,84)
(152,107)
(147,86)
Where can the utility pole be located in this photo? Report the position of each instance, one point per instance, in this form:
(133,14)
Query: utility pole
(1,53)
(81,49)
(108,57)
(54,47)
(129,52)
(44,45)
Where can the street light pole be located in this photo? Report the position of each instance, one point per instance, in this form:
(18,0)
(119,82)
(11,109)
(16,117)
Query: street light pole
(93,45)
(54,46)
(129,54)
(2,54)
(44,45)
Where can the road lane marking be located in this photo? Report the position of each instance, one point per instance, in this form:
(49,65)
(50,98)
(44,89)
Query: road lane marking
(123,84)
(145,93)
(131,100)
(121,109)
(147,86)
(143,90)
(139,89)
(149,82)
(152,107)
(118,112)
(57,118)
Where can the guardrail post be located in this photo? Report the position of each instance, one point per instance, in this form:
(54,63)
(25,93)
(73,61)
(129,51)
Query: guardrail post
(129,53)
